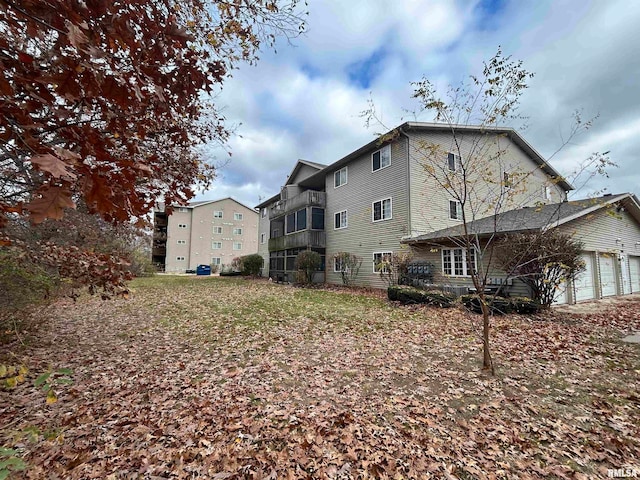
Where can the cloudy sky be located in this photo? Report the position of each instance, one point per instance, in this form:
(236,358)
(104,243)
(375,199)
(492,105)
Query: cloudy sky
(304,101)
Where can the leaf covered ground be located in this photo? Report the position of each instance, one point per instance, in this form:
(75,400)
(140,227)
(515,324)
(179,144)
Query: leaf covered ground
(230,378)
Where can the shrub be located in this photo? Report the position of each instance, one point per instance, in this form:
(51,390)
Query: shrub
(497,305)
(236,264)
(349,266)
(307,262)
(214,268)
(251,264)
(525,306)
(409,295)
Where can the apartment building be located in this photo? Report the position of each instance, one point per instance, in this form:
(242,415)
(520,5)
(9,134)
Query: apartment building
(209,232)
(379,199)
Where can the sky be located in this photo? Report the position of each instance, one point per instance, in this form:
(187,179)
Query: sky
(304,100)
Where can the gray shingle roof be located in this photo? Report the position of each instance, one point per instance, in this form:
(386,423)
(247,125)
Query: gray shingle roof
(523,219)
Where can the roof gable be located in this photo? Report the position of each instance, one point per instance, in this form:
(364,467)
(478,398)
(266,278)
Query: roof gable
(303,169)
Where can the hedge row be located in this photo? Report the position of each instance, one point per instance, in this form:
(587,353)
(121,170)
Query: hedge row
(409,295)
(501,305)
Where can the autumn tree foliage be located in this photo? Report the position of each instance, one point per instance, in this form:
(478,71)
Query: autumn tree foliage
(542,260)
(104,103)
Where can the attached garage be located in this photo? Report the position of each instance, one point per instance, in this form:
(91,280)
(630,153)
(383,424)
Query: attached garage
(584,285)
(634,270)
(607,264)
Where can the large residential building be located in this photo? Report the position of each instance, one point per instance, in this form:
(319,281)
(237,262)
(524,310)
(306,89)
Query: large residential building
(203,233)
(380,199)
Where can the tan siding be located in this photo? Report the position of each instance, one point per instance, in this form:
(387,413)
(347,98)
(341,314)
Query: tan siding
(263,248)
(430,202)
(362,236)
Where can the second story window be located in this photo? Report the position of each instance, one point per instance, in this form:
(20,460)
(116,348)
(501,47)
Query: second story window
(238,216)
(317,218)
(237,245)
(381,158)
(297,221)
(382,210)
(340,220)
(453,162)
(455,210)
(217,230)
(216,245)
(340,177)
(217,214)
(237,231)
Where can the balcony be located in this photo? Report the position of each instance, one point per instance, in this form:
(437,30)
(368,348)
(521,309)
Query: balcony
(306,238)
(159,251)
(305,199)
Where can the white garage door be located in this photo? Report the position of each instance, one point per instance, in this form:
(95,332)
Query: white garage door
(625,273)
(634,268)
(607,275)
(584,286)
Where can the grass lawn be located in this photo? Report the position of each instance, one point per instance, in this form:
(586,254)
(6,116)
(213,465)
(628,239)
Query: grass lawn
(198,377)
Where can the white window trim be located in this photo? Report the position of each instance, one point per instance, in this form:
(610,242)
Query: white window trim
(464,264)
(217,230)
(457,161)
(373,257)
(238,217)
(335,260)
(263,238)
(216,261)
(386,148)
(216,212)
(346,176)
(235,231)
(382,219)
(235,244)
(458,210)
(216,248)
(346,217)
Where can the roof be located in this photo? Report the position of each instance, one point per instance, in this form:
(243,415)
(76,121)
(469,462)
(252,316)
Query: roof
(533,218)
(201,203)
(407,126)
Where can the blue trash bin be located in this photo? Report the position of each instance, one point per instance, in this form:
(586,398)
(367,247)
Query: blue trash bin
(203,270)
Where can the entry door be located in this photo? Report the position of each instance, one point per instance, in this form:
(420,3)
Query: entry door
(634,271)
(626,274)
(607,274)
(584,285)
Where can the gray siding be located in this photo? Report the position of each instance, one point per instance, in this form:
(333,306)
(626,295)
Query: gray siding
(363,236)
(263,248)
(430,202)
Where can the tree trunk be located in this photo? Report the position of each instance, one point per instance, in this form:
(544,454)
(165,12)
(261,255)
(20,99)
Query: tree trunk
(487,363)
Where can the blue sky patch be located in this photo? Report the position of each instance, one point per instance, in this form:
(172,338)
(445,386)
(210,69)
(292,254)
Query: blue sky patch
(361,73)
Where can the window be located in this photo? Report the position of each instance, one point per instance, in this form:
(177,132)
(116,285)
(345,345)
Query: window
(381,158)
(217,230)
(217,214)
(340,220)
(183,210)
(182,225)
(506,180)
(340,177)
(456,262)
(237,216)
(546,192)
(216,245)
(453,161)
(237,231)
(382,210)
(317,218)
(237,245)
(338,265)
(297,221)
(263,238)
(264,212)
(216,261)
(180,259)
(182,242)
(381,262)
(455,210)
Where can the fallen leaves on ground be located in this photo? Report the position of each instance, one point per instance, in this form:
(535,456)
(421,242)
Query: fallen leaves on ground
(228,378)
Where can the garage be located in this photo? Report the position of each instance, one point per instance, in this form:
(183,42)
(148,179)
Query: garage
(607,274)
(583,283)
(634,269)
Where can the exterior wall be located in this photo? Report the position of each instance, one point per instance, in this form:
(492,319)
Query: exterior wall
(433,255)
(304,172)
(199,234)
(430,202)
(607,232)
(363,236)
(263,248)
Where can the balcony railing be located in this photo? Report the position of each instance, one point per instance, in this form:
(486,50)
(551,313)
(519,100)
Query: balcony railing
(306,238)
(305,199)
